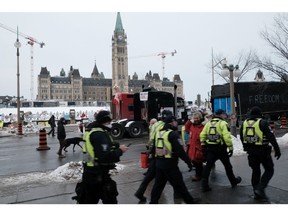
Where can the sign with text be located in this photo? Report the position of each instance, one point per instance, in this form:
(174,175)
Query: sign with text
(143,96)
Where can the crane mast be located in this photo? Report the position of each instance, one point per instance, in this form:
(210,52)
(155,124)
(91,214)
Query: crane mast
(31,42)
(163,56)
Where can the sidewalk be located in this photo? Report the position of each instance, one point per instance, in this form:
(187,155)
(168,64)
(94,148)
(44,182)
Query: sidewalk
(128,181)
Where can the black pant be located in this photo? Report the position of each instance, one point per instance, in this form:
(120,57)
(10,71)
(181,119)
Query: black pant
(256,157)
(198,168)
(99,186)
(52,131)
(212,155)
(150,175)
(175,178)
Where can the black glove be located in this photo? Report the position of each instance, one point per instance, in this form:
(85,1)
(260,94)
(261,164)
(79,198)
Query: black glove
(190,167)
(277,154)
(230,153)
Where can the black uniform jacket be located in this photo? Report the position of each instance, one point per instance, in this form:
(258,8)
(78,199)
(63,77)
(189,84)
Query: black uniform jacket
(264,127)
(103,146)
(177,151)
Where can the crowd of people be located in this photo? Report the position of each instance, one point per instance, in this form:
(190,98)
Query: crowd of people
(205,139)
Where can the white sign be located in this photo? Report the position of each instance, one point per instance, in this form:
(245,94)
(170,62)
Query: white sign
(143,96)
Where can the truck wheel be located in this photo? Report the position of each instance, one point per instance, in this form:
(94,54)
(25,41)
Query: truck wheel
(117,131)
(136,130)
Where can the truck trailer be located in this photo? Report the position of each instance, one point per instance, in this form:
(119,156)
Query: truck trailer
(133,112)
(271,97)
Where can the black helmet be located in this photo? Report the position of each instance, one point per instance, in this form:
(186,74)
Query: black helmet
(103,116)
(255,111)
(165,114)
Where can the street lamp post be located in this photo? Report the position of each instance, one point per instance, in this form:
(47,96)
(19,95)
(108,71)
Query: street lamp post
(231,71)
(17,44)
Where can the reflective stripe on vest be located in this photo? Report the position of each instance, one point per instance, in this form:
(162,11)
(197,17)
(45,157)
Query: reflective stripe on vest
(252,134)
(157,126)
(163,148)
(88,151)
(214,132)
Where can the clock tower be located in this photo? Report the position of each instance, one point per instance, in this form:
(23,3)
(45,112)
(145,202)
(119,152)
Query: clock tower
(119,58)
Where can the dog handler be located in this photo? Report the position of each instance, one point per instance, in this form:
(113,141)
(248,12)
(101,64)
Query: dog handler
(100,153)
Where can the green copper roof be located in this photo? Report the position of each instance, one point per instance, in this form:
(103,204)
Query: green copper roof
(62,72)
(119,27)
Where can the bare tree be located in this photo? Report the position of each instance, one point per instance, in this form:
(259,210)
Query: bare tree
(245,61)
(277,39)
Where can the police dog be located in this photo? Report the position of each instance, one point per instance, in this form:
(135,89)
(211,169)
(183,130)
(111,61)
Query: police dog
(75,141)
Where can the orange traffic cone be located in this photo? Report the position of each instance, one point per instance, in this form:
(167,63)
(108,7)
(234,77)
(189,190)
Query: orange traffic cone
(283,121)
(42,140)
(20,129)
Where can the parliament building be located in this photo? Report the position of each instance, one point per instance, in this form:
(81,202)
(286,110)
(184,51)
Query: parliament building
(71,86)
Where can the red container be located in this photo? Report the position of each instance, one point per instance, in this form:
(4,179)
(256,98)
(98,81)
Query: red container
(144,160)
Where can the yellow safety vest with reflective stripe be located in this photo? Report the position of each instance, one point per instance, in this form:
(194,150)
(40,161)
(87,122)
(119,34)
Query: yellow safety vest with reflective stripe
(88,150)
(163,148)
(215,132)
(157,126)
(252,134)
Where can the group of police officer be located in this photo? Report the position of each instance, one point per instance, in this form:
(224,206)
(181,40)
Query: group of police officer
(165,148)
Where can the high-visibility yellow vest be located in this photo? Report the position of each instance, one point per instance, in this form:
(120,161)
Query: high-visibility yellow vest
(214,132)
(252,134)
(89,158)
(157,126)
(163,148)
(1,124)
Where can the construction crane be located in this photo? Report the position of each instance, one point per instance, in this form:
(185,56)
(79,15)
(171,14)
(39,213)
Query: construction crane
(31,42)
(162,55)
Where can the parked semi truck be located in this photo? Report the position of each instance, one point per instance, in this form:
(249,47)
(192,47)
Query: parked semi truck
(271,97)
(133,112)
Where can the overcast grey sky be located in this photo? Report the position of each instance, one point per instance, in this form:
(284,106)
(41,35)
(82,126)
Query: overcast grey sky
(78,39)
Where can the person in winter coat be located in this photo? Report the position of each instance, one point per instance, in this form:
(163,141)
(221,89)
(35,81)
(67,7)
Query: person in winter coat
(215,140)
(256,135)
(61,136)
(194,127)
(52,124)
(167,150)
(100,155)
(151,172)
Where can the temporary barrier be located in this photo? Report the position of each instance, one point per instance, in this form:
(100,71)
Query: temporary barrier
(144,160)
(283,122)
(42,140)
(20,129)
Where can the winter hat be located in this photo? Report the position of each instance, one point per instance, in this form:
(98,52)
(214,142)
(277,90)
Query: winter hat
(255,111)
(170,119)
(165,114)
(219,112)
(103,117)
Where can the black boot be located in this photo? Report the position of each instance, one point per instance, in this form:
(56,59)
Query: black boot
(204,186)
(139,195)
(238,179)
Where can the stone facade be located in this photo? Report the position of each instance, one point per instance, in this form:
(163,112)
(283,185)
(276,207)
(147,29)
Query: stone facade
(74,87)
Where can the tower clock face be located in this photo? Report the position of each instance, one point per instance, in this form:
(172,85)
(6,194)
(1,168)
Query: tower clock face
(120,37)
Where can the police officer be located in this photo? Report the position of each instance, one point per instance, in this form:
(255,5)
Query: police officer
(151,172)
(100,153)
(215,139)
(255,135)
(167,149)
